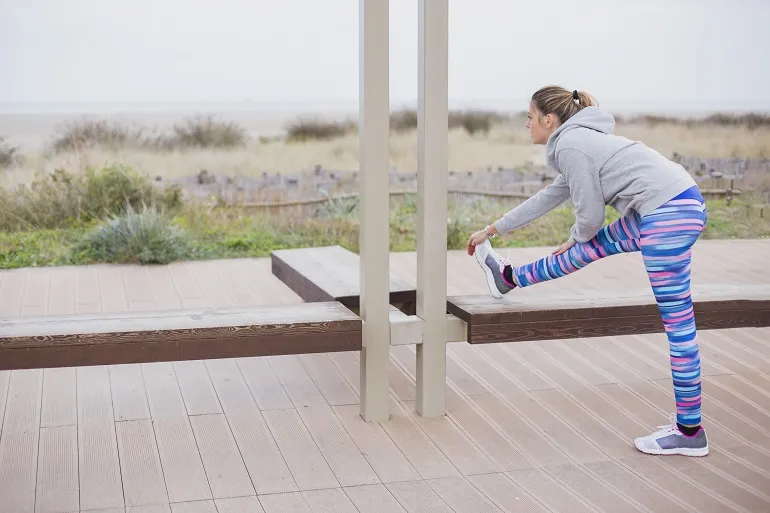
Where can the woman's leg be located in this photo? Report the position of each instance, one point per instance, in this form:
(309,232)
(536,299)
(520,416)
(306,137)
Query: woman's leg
(621,236)
(667,237)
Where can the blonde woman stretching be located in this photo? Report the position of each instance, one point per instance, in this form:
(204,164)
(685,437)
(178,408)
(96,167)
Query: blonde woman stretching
(663,215)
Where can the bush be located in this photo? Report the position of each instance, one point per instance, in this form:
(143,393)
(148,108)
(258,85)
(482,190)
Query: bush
(9,155)
(196,132)
(473,121)
(88,133)
(109,190)
(64,198)
(315,129)
(403,120)
(750,120)
(202,132)
(146,237)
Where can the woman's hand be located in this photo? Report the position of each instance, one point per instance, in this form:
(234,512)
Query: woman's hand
(477,238)
(564,247)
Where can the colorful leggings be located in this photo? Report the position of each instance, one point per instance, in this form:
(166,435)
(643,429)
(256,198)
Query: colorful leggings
(665,238)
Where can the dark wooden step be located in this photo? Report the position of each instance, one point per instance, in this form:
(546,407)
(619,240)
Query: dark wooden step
(330,273)
(156,336)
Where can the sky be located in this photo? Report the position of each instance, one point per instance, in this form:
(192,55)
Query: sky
(676,55)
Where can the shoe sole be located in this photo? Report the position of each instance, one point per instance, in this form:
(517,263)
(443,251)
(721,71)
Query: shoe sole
(490,278)
(682,451)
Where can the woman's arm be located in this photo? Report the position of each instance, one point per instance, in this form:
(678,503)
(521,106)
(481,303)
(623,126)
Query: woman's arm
(536,206)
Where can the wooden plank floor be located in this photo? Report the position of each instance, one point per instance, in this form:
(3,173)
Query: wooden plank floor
(530,427)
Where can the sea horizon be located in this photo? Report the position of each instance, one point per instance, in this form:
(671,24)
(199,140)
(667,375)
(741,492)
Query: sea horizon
(627,107)
(31,125)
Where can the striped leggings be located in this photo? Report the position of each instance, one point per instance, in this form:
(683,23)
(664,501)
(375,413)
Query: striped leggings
(665,238)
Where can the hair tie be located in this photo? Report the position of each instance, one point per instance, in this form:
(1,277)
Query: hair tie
(575,95)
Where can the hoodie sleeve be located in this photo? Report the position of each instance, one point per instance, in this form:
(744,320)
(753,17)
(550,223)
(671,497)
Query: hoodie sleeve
(587,196)
(541,203)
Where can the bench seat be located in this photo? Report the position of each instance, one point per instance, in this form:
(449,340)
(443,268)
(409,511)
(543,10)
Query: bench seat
(197,334)
(330,273)
(513,319)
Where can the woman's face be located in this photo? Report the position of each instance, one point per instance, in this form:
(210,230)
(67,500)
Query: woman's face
(540,127)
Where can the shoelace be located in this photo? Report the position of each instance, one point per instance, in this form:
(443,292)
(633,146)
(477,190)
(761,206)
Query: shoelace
(671,424)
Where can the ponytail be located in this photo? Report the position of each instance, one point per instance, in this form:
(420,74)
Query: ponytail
(561,102)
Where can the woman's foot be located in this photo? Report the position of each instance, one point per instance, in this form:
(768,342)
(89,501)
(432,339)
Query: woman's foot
(493,266)
(670,440)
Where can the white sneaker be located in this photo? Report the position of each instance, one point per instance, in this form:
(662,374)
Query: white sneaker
(493,265)
(669,440)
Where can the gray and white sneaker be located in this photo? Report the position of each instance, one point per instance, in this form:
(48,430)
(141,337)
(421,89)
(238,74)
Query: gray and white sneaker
(669,440)
(493,265)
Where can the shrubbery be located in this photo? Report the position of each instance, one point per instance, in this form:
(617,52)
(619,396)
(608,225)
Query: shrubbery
(403,120)
(195,132)
(315,129)
(147,236)
(64,199)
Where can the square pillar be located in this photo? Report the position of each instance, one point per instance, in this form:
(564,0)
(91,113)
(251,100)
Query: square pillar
(432,178)
(374,134)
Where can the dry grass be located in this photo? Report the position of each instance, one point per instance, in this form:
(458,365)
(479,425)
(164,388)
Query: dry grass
(85,133)
(506,144)
(702,140)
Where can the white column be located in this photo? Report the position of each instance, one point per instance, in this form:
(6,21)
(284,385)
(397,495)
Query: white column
(432,176)
(374,128)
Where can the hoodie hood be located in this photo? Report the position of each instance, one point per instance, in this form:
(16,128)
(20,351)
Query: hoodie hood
(592,118)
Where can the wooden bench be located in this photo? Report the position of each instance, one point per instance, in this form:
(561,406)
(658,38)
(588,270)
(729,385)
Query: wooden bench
(330,273)
(136,337)
(548,317)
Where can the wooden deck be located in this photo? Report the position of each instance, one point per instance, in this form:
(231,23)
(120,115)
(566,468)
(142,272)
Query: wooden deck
(530,426)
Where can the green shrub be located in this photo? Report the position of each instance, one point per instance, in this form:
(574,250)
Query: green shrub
(108,191)
(63,198)
(147,237)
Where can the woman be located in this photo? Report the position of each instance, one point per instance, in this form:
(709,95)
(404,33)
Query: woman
(663,215)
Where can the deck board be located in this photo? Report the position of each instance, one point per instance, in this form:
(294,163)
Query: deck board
(530,426)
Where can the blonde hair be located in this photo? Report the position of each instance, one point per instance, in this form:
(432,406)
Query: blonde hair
(562,103)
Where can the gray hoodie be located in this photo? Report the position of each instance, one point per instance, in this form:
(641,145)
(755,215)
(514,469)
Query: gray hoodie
(597,168)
